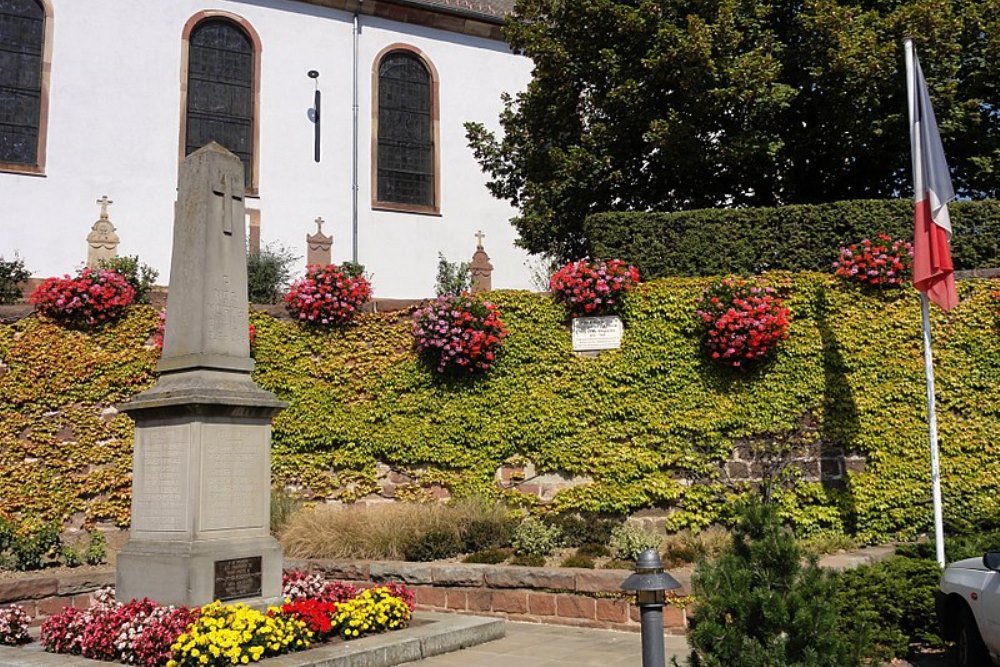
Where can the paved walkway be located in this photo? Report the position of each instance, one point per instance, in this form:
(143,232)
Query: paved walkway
(537,645)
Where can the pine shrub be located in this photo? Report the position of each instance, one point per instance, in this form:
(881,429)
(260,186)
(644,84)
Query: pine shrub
(760,607)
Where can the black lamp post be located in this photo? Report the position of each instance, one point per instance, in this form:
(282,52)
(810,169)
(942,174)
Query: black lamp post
(650,584)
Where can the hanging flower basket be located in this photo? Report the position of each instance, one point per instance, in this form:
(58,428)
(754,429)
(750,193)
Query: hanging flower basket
(327,295)
(94,297)
(459,335)
(742,323)
(593,287)
(882,262)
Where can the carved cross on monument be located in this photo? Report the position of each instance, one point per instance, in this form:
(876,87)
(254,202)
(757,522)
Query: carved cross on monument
(231,196)
(479,238)
(319,225)
(105,203)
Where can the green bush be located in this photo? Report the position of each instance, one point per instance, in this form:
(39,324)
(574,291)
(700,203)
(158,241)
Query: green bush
(593,550)
(956,547)
(70,556)
(578,560)
(268,273)
(758,606)
(142,277)
(528,560)
(892,602)
(712,242)
(487,533)
(12,272)
(688,546)
(488,556)
(535,538)
(578,530)
(33,543)
(96,552)
(629,540)
(435,544)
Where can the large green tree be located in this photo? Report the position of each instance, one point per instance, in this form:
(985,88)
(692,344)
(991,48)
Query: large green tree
(679,104)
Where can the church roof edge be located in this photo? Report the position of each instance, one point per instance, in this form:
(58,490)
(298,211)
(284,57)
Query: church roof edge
(486,11)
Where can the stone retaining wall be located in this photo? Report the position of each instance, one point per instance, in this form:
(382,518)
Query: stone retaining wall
(45,595)
(564,596)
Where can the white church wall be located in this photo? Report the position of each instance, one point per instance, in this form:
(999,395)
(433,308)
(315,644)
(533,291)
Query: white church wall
(114,124)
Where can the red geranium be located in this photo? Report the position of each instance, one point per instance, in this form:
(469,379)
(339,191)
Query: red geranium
(458,334)
(881,263)
(741,322)
(327,295)
(593,287)
(93,297)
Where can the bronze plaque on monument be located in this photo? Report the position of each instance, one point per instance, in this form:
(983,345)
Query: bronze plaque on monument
(237,578)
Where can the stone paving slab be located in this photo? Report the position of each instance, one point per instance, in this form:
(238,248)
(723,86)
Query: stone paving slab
(435,635)
(536,645)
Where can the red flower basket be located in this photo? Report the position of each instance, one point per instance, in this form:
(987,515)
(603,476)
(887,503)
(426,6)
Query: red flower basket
(458,334)
(327,295)
(883,262)
(593,287)
(742,323)
(92,298)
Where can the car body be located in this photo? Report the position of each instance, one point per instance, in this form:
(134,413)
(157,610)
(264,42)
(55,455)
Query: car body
(968,608)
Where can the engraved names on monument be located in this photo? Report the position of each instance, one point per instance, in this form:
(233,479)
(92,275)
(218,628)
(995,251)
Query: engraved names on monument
(159,480)
(235,466)
(597,333)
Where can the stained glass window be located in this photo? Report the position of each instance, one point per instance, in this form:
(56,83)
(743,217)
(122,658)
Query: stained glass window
(220,90)
(22,38)
(405,131)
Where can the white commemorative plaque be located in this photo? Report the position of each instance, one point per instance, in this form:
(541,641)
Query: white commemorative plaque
(597,333)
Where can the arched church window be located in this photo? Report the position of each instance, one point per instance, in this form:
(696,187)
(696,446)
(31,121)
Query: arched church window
(221,91)
(406,160)
(22,84)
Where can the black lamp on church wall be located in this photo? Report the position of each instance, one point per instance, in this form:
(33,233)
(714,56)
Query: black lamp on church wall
(316,118)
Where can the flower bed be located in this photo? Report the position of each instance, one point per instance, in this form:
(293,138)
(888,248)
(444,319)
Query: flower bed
(593,287)
(141,632)
(883,262)
(742,323)
(458,334)
(92,298)
(327,295)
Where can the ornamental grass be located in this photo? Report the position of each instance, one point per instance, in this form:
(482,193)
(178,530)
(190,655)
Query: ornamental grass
(384,530)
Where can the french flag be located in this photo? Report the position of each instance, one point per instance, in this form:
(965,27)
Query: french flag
(933,272)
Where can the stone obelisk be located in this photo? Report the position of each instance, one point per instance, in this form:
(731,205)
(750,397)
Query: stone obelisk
(202,463)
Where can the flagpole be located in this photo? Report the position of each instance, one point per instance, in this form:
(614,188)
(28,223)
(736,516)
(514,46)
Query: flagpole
(932,428)
(919,192)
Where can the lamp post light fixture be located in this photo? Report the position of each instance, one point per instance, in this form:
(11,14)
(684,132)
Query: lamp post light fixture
(650,584)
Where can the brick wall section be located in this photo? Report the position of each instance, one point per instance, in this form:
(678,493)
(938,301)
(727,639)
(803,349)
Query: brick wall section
(43,596)
(561,596)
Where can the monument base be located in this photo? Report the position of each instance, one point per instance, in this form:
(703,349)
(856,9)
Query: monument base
(194,573)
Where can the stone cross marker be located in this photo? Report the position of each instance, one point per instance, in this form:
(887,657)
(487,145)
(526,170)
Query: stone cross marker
(102,241)
(318,246)
(481,268)
(201,470)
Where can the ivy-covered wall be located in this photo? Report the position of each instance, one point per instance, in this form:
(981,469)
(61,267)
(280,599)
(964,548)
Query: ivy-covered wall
(652,424)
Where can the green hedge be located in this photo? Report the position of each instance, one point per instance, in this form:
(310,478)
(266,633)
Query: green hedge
(790,238)
(650,423)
